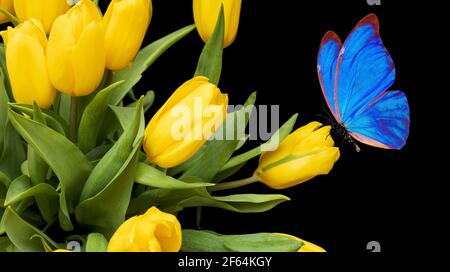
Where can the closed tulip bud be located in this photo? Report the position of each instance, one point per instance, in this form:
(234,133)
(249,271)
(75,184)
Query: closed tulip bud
(154,231)
(307,246)
(304,154)
(45,11)
(27,64)
(185,122)
(9,7)
(206,13)
(76,50)
(126,22)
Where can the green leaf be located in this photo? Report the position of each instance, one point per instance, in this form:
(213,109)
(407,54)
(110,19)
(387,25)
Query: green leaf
(3,110)
(21,188)
(208,241)
(241,203)
(63,106)
(4,180)
(145,58)
(52,119)
(274,141)
(202,241)
(115,158)
(150,176)
(149,99)
(105,211)
(96,242)
(224,174)
(93,116)
(4,243)
(210,62)
(13,153)
(20,208)
(106,198)
(4,69)
(21,234)
(261,242)
(220,148)
(68,163)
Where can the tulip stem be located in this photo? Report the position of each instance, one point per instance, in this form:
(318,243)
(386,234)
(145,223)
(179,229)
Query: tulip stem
(233,184)
(73,122)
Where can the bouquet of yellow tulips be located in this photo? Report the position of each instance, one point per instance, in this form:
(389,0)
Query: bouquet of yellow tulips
(81,169)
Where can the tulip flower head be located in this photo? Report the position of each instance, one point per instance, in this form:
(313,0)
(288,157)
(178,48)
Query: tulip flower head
(185,122)
(304,154)
(126,22)
(76,50)
(7,5)
(26,50)
(206,13)
(46,11)
(154,231)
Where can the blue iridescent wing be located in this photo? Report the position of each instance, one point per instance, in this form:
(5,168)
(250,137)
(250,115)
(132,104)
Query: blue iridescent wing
(384,122)
(365,69)
(326,68)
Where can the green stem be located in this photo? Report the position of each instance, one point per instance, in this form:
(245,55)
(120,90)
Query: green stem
(233,184)
(13,19)
(73,122)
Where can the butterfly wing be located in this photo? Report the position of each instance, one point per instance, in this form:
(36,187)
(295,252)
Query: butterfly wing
(364,71)
(384,123)
(326,68)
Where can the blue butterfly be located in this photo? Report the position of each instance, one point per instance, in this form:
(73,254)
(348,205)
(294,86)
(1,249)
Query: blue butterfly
(355,78)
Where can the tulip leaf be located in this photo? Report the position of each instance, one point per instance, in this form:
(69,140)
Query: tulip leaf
(105,211)
(210,62)
(4,243)
(261,242)
(149,99)
(93,116)
(53,120)
(20,208)
(125,117)
(115,158)
(3,110)
(208,241)
(144,59)
(68,163)
(22,234)
(96,242)
(4,70)
(274,141)
(150,176)
(222,145)
(13,154)
(202,241)
(243,203)
(224,174)
(107,193)
(4,180)
(22,188)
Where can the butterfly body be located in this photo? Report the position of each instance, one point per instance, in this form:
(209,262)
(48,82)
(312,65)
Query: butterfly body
(355,77)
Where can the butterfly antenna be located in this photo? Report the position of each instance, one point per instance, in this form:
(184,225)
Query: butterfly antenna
(324,117)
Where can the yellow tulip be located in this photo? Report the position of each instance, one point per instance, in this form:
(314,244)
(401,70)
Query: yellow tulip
(76,50)
(27,64)
(8,6)
(206,13)
(61,250)
(307,246)
(185,122)
(304,154)
(45,11)
(126,22)
(154,231)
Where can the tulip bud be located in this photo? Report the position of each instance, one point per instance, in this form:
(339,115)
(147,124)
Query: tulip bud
(304,154)
(206,13)
(126,22)
(8,6)
(307,246)
(76,50)
(186,121)
(27,64)
(45,11)
(154,231)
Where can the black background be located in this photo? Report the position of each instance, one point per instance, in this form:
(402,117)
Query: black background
(368,195)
